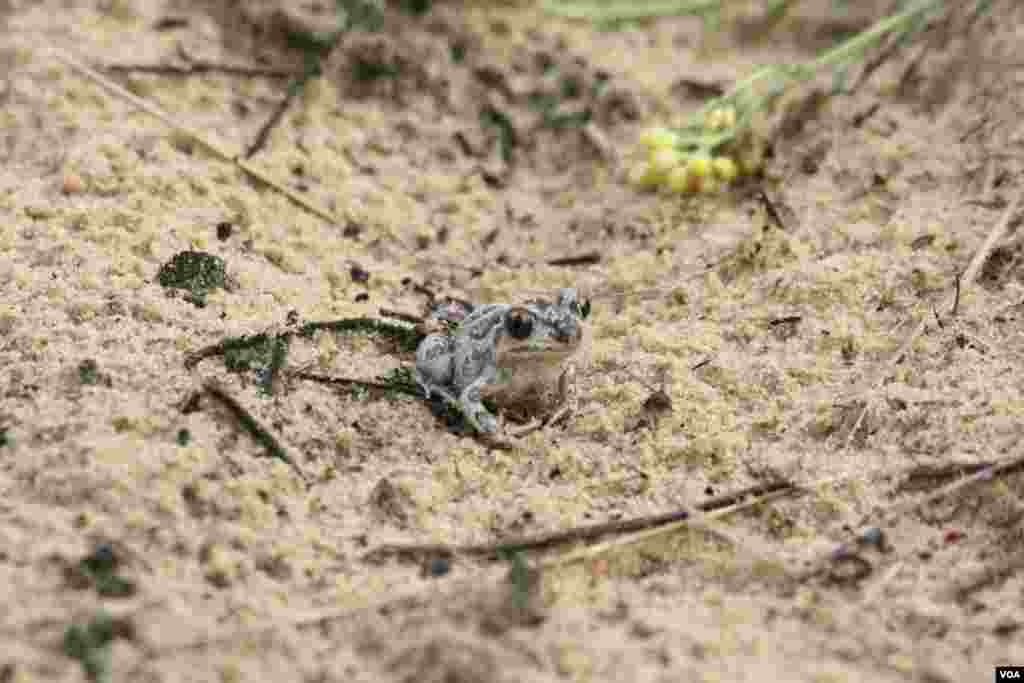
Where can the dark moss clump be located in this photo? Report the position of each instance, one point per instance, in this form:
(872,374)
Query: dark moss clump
(196,272)
(264,354)
(90,643)
(405,338)
(89,374)
(99,570)
(402,381)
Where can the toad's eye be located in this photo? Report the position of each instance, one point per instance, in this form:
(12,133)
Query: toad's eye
(519,324)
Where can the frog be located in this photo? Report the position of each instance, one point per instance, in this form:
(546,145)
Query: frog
(510,354)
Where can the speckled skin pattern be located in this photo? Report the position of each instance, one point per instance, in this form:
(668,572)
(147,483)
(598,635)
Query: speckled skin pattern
(499,351)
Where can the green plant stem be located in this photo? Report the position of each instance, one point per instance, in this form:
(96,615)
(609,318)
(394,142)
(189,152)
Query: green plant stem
(779,76)
(863,41)
(630,10)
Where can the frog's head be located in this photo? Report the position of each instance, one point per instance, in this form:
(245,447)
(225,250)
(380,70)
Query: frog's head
(544,330)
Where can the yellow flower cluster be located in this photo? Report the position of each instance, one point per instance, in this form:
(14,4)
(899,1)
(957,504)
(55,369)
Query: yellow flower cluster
(721,119)
(671,164)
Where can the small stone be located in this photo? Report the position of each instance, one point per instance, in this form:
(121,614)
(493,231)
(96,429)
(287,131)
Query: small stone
(436,567)
(359,274)
(102,559)
(874,536)
(352,230)
(72,183)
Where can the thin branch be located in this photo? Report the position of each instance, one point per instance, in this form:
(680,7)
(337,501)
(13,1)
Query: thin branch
(582,533)
(987,474)
(312,69)
(216,147)
(192,68)
(956,298)
(585,554)
(251,425)
(586,259)
(349,383)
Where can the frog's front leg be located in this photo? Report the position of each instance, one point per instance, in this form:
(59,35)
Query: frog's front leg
(472,405)
(435,366)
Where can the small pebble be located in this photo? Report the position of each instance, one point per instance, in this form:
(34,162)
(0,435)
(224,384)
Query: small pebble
(359,274)
(72,183)
(352,230)
(873,536)
(102,559)
(436,567)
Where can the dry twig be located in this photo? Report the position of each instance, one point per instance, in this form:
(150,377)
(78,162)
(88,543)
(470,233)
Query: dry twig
(215,146)
(730,502)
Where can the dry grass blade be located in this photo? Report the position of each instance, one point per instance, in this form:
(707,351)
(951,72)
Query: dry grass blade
(216,147)
(729,501)
(988,474)
(703,522)
(997,232)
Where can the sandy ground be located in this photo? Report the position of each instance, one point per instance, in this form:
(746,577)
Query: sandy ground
(145,535)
